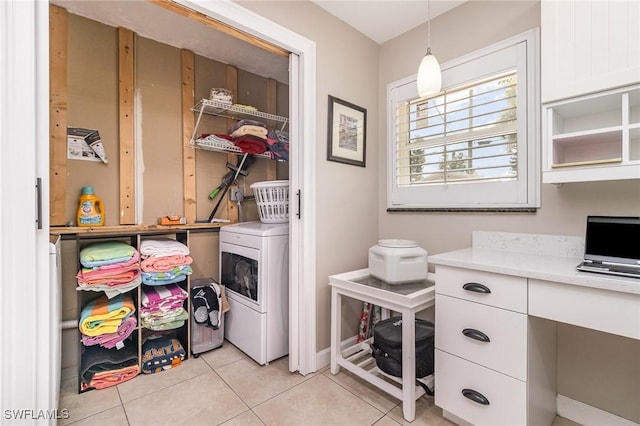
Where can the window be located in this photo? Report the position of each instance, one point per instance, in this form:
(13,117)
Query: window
(475,144)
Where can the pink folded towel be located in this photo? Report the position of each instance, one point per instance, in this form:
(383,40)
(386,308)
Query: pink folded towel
(164,264)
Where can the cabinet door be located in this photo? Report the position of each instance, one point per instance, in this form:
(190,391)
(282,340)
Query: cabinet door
(588,45)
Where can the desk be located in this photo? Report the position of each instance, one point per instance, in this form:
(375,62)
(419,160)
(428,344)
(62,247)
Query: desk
(406,299)
(533,290)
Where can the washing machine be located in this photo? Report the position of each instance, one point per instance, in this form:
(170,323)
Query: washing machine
(254,268)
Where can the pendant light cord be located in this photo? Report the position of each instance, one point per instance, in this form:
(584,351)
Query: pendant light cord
(428,27)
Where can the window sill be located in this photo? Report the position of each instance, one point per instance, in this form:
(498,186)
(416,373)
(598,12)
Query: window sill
(512,210)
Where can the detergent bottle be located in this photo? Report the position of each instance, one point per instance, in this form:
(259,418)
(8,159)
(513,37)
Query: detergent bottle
(90,208)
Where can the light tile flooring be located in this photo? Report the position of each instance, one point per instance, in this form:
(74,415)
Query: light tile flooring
(225,387)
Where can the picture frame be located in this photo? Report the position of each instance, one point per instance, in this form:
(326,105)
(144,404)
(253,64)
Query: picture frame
(346,133)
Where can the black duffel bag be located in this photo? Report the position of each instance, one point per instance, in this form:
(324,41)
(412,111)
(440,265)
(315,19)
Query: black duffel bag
(387,346)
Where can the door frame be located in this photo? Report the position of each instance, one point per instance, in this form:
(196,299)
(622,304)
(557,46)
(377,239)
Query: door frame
(24,249)
(302,170)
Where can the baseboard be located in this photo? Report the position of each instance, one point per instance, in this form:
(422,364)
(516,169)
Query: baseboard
(455,419)
(587,415)
(323,358)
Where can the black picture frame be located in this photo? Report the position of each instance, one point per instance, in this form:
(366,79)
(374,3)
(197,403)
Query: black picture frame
(346,133)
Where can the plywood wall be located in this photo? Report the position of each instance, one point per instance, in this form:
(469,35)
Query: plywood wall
(93,102)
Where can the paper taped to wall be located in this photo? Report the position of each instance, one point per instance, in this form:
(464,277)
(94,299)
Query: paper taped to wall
(85,144)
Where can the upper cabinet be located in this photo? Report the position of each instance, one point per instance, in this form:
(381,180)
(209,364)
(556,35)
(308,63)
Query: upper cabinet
(588,46)
(590,90)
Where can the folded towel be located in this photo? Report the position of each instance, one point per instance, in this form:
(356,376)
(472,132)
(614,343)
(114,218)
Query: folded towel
(153,282)
(162,247)
(113,290)
(250,144)
(162,298)
(246,122)
(164,320)
(101,368)
(112,340)
(113,278)
(176,271)
(109,251)
(104,315)
(161,353)
(112,377)
(166,263)
(257,131)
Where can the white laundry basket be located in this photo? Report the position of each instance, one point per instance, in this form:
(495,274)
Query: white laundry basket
(272,199)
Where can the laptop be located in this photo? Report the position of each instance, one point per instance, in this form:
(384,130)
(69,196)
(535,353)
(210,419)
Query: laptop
(612,246)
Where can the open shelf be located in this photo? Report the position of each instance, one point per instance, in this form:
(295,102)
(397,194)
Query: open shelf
(358,360)
(212,143)
(234,111)
(593,138)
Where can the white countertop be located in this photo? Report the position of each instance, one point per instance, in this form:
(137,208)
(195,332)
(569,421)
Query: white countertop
(555,268)
(548,268)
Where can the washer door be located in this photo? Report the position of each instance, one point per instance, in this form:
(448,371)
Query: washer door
(240,274)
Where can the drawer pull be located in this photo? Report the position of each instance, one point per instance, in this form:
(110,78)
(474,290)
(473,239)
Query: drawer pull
(475,396)
(472,333)
(476,288)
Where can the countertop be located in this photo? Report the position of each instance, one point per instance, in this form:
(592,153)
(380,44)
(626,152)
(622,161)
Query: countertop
(556,268)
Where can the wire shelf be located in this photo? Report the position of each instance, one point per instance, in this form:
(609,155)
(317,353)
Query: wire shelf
(235,111)
(212,143)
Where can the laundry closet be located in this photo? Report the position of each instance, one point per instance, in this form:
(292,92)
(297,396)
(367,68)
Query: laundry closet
(138,72)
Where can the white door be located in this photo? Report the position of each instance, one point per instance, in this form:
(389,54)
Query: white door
(25,310)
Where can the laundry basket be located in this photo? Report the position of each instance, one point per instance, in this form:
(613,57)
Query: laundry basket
(272,199)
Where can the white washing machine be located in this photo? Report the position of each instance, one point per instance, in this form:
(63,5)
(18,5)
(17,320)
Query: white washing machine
(254,268)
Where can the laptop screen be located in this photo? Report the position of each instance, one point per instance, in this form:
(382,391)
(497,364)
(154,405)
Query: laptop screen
(613,239)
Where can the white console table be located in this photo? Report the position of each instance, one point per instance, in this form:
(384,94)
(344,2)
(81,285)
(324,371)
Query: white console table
(406,299)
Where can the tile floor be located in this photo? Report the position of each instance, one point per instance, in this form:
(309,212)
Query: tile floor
(225,387)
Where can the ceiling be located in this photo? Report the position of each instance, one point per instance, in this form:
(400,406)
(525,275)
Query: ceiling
(382,20)
(157,23)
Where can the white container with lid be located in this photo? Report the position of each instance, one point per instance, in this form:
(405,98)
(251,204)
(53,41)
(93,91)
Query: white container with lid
(398,261)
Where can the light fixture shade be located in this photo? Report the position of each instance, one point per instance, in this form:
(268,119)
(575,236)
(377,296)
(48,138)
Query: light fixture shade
(429,76)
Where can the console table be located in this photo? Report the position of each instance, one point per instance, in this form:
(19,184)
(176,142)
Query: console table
(406,299)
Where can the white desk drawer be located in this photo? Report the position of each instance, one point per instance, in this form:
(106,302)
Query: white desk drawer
(609,311)
(463,328)
(505,397)
(502,291)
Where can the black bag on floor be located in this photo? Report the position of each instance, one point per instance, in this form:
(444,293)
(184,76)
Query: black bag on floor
(387,346)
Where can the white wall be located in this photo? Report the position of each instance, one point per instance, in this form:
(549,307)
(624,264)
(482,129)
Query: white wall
(347,220)
(352,201)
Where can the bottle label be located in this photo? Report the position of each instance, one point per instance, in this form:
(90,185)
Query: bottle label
(86,216)
(91,220)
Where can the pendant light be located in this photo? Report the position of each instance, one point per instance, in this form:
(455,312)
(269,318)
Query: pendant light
(429,76)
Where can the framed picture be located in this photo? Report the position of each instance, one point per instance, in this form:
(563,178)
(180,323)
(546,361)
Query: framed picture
(347,133)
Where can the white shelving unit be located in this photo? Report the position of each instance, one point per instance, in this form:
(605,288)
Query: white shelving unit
(235,112)
(405,299)
(593,138)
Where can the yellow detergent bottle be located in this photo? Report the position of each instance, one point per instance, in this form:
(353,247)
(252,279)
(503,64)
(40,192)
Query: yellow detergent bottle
(90,208)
